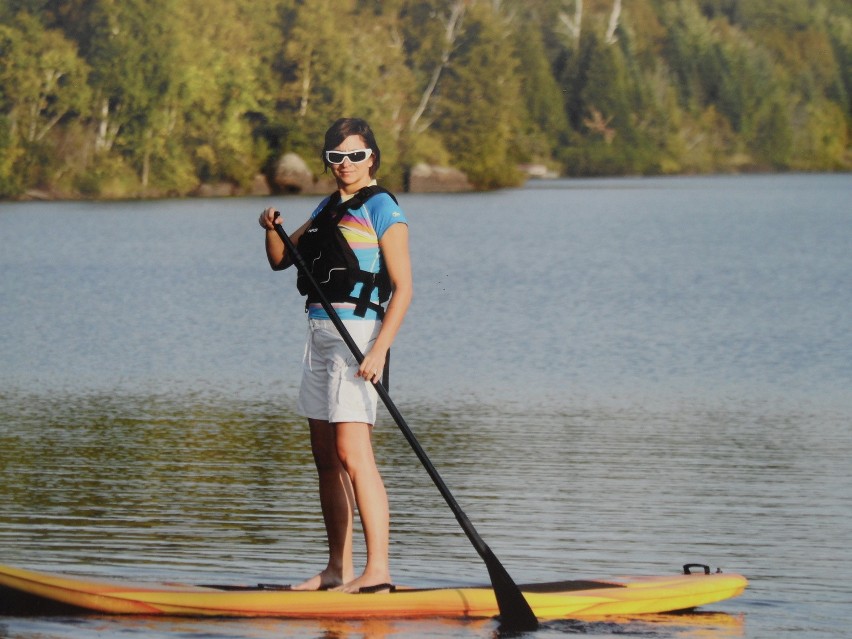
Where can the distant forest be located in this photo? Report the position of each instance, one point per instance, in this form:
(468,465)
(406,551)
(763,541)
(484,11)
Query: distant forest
(150,98)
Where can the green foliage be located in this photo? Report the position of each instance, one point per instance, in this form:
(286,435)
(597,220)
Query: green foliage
(152,97)
(822,140)
(107,177)
(545,123)
(840,32)
(11,182)
(218,91)
(43,82)
(481,111)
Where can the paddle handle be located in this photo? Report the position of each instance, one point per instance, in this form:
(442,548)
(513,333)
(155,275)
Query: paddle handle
(515,612)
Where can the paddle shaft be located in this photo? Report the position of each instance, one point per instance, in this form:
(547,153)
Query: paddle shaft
(515,612)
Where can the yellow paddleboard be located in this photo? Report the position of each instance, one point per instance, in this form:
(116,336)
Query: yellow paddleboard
(31,592)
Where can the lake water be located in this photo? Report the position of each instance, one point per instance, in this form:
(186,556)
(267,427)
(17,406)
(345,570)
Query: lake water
(613,377)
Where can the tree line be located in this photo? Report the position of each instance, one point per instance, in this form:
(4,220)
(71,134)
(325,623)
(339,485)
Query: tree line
(106,98)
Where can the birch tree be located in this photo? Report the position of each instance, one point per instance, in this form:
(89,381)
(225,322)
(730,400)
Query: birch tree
(431,38)
(614,17)
(42,82)
(573,23)
(42,76)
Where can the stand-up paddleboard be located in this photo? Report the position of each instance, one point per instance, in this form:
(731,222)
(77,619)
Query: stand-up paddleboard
(24,592)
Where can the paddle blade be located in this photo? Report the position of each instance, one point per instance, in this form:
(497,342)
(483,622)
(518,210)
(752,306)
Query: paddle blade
(515,613)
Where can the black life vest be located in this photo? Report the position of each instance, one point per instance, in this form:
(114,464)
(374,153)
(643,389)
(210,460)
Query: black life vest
(333,263)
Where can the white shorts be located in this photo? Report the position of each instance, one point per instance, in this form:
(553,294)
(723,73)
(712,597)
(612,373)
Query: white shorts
(330,390)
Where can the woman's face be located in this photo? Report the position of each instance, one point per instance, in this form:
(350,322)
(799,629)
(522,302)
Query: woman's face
(352,176)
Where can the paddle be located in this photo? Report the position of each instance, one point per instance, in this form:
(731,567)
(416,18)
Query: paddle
(515,612)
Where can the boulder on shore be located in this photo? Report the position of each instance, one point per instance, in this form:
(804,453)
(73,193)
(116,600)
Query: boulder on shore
(538,171)
(216,189)
(425,178)
(293,176)
(259,185)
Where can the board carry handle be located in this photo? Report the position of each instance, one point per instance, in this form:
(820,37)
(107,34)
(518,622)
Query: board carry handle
(686,568)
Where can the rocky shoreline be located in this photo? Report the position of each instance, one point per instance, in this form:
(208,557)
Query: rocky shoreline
(292,176)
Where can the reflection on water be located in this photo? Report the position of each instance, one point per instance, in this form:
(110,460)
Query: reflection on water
(121,474)
(176,487)
(661,377)
(681,626)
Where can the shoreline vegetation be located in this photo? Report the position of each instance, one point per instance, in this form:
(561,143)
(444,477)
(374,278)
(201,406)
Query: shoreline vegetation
(102,100)
(458,183)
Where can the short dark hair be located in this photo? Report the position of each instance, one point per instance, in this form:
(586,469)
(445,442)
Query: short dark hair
(342,129)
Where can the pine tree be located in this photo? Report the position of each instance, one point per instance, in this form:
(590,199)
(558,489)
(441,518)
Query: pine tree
(480,112)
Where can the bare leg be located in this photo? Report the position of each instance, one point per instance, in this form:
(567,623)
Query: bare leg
(338,505)
(355,452)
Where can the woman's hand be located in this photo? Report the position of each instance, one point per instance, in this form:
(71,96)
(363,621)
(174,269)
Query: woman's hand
(276,252)
(372,366)
(267,219)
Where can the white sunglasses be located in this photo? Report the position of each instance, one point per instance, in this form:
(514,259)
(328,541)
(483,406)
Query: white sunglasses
(356,157)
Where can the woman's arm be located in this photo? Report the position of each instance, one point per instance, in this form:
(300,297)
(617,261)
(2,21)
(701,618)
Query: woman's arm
(394,247)
(276,252)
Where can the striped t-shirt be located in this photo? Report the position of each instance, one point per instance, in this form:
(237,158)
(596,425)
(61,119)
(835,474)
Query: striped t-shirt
(362,228)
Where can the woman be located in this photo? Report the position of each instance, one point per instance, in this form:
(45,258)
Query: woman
(336,393)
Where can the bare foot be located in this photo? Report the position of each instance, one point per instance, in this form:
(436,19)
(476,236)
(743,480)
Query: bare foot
(365,581)
(323,581)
